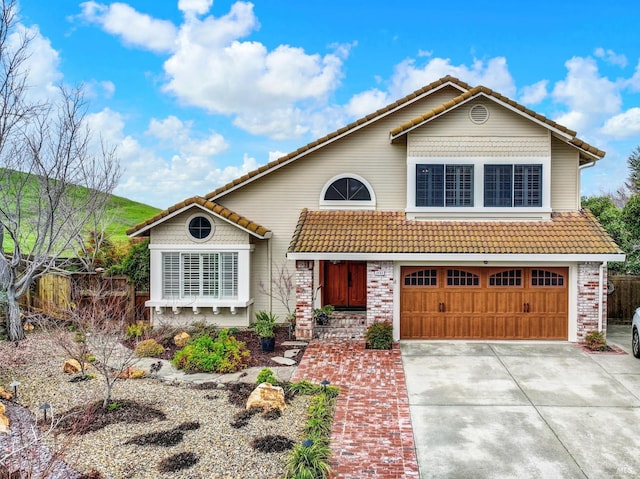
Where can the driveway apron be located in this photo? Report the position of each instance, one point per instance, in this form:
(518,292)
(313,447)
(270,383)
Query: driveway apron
(523,410)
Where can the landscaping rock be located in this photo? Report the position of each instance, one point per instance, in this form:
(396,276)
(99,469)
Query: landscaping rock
(181,339)
(71,366)
(4,394)
(295,343)
(4,420)
(132,373)
(284,361)
(267,397)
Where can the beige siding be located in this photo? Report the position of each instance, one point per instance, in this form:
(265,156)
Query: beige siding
(186,317)
(565,177)
(174,231)
(505,134)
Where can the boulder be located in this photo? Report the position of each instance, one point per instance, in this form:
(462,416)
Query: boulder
(4,394)
(72,366)
(4,420)
(267,397)
(181,339)
(132,373)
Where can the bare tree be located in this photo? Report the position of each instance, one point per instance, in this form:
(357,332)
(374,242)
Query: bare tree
(51,184)
(281,288)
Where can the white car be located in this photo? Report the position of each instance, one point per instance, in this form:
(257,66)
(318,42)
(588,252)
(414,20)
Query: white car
(635,334)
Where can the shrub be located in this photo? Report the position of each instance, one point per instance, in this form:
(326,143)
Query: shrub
(135,265)
(596,341)
(265,324)
(201,328)
(224,354)
(266,376)
(137,329)
(309,460)
(177,462)
(379,335)
(272,443)
(149,348)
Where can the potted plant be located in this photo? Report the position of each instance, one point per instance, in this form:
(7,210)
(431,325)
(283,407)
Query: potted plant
(264,326)
(321,315)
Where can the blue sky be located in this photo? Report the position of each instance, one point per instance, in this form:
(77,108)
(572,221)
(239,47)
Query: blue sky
(194,93)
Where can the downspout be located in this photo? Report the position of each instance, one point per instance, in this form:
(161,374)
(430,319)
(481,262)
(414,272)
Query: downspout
(587,165)
(269,273)
(600,293)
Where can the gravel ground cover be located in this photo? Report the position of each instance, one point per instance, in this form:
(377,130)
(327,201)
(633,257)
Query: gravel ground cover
(221,451)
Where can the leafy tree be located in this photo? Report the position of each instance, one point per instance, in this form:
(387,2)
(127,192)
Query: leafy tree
(633,184)
(51,185)
(135,265)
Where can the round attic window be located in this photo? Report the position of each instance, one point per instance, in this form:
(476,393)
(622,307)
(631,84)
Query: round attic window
(200,227)
(479,114)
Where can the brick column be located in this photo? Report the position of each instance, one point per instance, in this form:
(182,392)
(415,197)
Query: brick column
(304,300)
(588,297)
(379,291)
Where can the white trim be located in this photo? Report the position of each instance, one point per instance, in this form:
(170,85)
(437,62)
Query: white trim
(204,248)
(209,218)
(479,163)
(337,137)
(348,204)
(468,257)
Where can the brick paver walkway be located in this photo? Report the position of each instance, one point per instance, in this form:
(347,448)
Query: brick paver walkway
(371,435)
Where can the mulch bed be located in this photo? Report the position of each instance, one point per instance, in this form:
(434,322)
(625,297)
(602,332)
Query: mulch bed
(609,349)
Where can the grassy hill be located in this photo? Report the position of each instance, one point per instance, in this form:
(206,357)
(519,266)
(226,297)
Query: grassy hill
(122,213)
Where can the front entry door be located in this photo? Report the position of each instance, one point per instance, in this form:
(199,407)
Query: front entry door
(345,284)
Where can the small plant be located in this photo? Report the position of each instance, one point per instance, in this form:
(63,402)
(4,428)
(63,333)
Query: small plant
(265,324)
(201,328)
(266,376)
(149,348)
(272,443)
(224,354)
(379,335)
(113,406)
(137,329)
(309,460)
(596,341)
(321,315)
(178,462)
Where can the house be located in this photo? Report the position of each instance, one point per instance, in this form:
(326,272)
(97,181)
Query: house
(453,212)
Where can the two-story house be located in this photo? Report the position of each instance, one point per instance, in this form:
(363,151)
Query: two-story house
(453,212)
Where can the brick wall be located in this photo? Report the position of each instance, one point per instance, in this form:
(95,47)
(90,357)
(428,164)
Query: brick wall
(304,299)
(588,297)
(379,291)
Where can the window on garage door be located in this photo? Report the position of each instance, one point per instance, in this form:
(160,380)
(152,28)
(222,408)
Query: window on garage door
(424,277)
(510,277)
(459,277)
(546,278)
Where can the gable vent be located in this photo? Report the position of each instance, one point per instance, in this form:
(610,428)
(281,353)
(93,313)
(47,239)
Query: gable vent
(479,114)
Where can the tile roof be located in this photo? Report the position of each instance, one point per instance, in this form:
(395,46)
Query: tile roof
(473,92)
(215,208)
(333,231)
(320,141)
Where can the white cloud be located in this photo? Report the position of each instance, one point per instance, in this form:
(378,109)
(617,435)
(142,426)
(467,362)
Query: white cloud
(624,125)
(135,29)
(493,73)
(148,177)
(634,82)
(611,57)
(198,7)
(535,93)
(366,102)
(588,96)
(274,155)
(41,64)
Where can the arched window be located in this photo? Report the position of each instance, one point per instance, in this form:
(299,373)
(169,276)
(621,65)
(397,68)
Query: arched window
(350,190)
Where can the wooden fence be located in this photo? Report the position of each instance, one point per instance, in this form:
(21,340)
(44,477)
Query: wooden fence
(624,300)
(55,295)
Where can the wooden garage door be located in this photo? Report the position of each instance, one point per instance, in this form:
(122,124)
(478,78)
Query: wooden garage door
(483,303)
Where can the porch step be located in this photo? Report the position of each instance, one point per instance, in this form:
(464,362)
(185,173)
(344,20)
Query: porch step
(343,325)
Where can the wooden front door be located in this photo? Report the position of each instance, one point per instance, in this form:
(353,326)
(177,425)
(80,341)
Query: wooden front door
(345,284)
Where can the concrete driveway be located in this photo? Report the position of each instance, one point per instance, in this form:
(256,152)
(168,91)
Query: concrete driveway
(524,410)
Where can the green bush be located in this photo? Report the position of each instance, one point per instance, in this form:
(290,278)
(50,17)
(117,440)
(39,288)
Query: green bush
(379,335)
(596,341)
(135,265)
(265,324)
(224,354)
(266,376)
(149,348)
(137,329)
